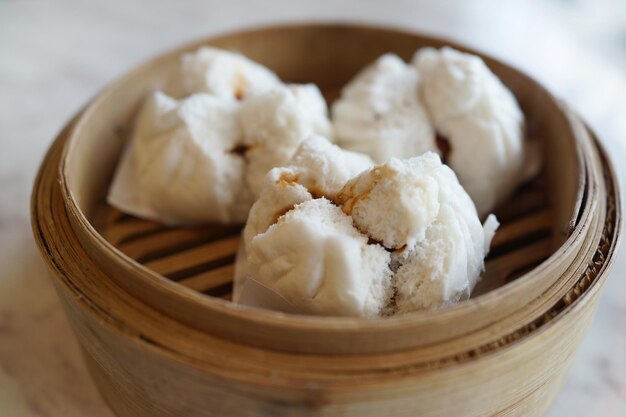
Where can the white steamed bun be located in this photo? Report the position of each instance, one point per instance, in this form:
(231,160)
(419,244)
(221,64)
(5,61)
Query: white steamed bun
(417,208)
(393,109)
(320,263)
(413,211)
(226,74)
(203,158)
(179,167)
(275,123)
(317,169)
(379,112)
(481,120)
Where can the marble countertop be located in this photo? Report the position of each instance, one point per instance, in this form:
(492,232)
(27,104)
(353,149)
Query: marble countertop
(54,56)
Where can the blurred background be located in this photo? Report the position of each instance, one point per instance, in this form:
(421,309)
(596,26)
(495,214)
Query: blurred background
(55,55)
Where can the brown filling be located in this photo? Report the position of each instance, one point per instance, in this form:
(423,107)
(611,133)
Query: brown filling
(281,213)
(317,193)
(443,144)
(240,150)
(241,85)
(349,197)
(287,179)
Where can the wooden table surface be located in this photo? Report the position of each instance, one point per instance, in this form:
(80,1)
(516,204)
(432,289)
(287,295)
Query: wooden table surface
(55,55)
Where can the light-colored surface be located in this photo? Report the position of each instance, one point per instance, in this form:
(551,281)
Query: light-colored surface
(55,55)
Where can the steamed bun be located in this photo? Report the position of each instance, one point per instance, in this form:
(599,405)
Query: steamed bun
(417,208)
(324,168)
(394,202)
(305,248)
(320,263)
(179,167)
(479,117)
(318,168)
(225,74)
(275,123)
(393,109)
(444,267)
(397,237)
(379,112)
(203,158)
(280,192)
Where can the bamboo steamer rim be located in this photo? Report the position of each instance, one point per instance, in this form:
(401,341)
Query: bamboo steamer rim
(579,298)
(259,316)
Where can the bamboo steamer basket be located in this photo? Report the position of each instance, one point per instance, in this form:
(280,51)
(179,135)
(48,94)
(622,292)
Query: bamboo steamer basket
(150,305)
(327,56)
